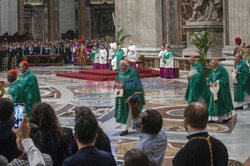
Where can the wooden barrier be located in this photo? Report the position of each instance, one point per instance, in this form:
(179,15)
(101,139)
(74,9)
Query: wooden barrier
(36,60)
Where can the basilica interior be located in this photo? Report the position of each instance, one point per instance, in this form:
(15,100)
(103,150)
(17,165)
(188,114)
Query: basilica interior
(43,20)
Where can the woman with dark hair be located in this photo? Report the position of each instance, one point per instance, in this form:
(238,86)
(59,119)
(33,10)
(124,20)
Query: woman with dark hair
(102,141)
(54,140)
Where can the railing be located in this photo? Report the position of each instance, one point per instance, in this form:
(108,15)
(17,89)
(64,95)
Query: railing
(35,60)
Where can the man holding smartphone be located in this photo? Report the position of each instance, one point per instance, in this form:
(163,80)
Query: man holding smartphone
(30,85)
(128,83)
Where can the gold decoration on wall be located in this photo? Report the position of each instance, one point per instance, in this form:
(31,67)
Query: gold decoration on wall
(33,2)
(99,2)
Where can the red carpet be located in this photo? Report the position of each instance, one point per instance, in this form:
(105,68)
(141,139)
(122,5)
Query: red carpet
(106,75)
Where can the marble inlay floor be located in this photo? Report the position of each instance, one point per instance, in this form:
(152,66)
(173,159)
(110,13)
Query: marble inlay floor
(164,95)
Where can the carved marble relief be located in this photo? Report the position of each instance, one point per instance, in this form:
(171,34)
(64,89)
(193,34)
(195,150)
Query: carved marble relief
(186,13)
(204,11)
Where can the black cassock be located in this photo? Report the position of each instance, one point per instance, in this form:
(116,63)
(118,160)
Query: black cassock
(197,152)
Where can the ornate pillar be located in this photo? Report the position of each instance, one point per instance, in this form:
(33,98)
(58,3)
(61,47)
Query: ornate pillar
(21,17)
(164,21)
(52,22)
(82,18)
(206,15)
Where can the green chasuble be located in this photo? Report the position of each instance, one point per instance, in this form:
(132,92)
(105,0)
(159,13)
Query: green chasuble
(120,56)
(93,55)
(32,94)
(197,85)
(167,55)
(243,81)
(224,104)
(131,83)
(17,92)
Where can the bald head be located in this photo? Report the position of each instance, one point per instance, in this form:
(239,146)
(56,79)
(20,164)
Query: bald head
(197,115)
(131,42)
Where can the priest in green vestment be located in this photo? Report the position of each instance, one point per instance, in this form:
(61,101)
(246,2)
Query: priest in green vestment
(127,83)
(241,89)
(116,59)
(220,109)
(197,86)
(15,90)
(30,85)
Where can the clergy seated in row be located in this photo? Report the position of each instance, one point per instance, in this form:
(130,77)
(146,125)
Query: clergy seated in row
(241,84)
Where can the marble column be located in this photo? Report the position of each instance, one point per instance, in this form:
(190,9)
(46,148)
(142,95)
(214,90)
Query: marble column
(9,16)
(52,21)
(66,16)
(164,21)
(236,24)
(21,17)
(142,19)
(82,18)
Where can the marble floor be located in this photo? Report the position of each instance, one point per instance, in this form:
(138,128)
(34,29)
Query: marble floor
(164,95)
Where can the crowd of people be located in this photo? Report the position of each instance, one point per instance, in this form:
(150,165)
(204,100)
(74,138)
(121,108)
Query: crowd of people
(66,48)
(100,52)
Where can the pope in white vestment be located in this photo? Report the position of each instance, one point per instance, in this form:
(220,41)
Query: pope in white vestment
(112,49)
(131,56)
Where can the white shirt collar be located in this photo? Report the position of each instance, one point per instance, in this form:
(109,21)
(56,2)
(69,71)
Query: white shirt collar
(197,132)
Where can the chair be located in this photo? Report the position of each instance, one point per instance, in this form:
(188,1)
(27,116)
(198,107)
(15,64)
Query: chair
(14,62)
(5,64)
(141,62)
(2,91)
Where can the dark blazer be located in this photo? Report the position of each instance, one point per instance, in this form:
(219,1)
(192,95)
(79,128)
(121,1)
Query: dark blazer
(8,146)
(102,142)
(26,51)
(90,156)
(196,152)
(36,50)
(41,50)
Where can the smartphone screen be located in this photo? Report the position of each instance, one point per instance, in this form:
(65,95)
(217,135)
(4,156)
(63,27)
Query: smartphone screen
(19,111)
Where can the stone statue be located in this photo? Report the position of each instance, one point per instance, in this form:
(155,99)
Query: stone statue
(204,11)
(217,12)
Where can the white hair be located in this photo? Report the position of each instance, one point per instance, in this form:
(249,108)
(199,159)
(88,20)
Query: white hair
(125,63)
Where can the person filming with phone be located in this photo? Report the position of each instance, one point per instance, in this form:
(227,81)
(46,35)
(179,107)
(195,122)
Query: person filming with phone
(127,84)
(153,139)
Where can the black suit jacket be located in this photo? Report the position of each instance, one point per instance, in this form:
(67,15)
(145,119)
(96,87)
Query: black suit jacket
(36,50)
(26,51)
(90,156)
(196,152)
